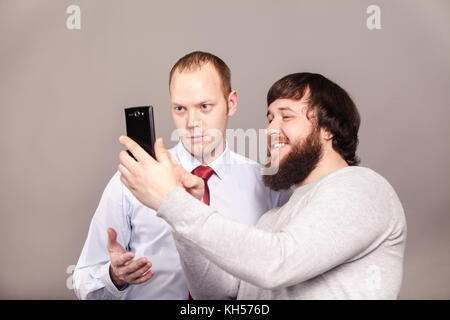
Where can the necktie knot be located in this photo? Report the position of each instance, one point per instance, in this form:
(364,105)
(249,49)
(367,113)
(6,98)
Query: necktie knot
(203,172)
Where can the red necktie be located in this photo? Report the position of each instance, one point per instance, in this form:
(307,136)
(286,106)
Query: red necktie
(205,173)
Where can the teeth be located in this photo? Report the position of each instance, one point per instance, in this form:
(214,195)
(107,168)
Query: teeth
(278,145)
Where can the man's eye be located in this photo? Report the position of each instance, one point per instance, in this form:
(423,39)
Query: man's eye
(206,106)
(286,117)
(179,108)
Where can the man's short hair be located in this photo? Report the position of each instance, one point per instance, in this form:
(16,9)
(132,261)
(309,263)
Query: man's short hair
(195,60)
(333,107)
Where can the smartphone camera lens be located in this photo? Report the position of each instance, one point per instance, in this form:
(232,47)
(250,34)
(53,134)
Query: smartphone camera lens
(137,113)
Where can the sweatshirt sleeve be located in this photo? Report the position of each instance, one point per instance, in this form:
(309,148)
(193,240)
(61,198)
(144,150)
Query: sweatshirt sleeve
(206,281)
(343,220)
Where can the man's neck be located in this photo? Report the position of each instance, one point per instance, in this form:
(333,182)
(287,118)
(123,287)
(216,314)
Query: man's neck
(330,161)
(210,156)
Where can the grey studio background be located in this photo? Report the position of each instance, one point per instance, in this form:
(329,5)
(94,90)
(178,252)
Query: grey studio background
(62,94)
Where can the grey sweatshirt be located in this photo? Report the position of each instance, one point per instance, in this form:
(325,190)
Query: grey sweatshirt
(339,237)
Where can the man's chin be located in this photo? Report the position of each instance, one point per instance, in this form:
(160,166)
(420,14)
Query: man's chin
(194,148)
(200,149)
(278,155)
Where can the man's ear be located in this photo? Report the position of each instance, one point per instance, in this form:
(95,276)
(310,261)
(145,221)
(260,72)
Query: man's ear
(326,135)
(232,103)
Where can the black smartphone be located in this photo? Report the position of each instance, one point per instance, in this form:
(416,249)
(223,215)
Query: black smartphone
(141,128)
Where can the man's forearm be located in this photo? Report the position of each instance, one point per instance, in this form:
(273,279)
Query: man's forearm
(314,240)
(205,279)
(245,252)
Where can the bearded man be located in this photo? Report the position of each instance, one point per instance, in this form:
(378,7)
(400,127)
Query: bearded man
(341,235)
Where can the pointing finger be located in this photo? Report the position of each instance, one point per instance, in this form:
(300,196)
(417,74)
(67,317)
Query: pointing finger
(128,162)
(139,153)
(135,265)
(144,278)
(139,272)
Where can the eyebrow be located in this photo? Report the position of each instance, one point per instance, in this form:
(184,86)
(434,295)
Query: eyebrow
(208,101)
(285,108)
(280,109)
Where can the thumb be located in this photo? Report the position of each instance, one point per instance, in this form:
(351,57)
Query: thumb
(162,155)
(113,245)
(190,180)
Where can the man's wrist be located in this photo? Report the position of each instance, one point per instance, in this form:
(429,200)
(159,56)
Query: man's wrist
(173,208)
(120,285)
(164,196)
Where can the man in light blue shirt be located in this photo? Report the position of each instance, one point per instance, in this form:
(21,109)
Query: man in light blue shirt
(201,102)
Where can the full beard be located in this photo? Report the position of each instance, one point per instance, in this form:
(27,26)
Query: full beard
(298,164)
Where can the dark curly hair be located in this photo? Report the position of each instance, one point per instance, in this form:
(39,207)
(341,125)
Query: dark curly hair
(333,107)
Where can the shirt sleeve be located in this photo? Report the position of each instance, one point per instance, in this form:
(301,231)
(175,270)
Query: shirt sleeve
(342,221)
(91,276)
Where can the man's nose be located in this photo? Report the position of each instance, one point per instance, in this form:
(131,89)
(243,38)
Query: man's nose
(273,132)
(274,126)
(193,120)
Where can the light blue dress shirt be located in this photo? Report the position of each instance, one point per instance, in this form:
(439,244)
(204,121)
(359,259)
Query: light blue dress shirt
(236,191)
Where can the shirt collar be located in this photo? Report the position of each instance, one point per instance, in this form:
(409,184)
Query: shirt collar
(189,162)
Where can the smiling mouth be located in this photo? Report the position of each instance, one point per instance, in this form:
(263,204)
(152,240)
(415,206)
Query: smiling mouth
(277,145)
(277,142)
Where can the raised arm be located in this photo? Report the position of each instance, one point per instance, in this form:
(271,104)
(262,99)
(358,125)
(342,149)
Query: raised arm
(328,233)
(344,219)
